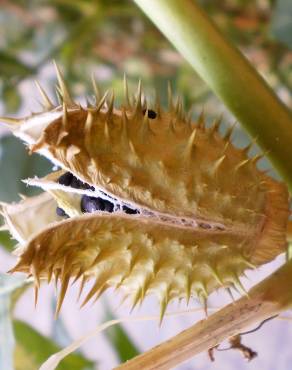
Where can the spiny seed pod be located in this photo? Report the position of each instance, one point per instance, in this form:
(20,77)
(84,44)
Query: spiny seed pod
(189,212)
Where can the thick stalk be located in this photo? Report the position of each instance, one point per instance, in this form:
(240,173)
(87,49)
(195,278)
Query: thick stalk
(229,75)
(266,299)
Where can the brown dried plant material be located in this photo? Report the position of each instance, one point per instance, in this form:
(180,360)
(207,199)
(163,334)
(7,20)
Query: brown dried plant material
(206,213)
(235,343)
(265,300)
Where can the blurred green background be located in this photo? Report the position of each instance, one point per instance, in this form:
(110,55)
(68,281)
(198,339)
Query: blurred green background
(110,38)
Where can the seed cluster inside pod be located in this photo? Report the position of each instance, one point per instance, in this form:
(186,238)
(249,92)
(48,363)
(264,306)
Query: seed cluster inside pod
(148,201)
(89,204)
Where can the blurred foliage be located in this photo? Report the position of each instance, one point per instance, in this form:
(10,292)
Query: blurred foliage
(111,37)
(16,164)
(282,22)
(108,38)
(8,285)
(6,241)
(32,349)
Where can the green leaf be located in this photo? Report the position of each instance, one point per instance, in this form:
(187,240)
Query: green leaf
(8,284)
(281,26)
(32,349)
(12,98)
(11,67)
(16,164)
(119,339)
(6,241)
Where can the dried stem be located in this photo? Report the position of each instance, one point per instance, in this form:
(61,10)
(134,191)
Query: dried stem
(266,299)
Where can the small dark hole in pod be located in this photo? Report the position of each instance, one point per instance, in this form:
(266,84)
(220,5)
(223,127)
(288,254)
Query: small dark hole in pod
(129,211)
(60,212)
(92,204)
(151,113)
(66,179)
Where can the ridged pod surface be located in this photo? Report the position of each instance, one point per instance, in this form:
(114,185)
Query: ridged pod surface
(206,213)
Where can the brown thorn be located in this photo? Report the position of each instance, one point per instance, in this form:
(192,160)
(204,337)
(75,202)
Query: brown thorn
(138,103)
(216,124)
(63,88)
(111,104)
(246,149)
(36,295)
(95,89)
(229,132)
(201,119)
(64,286)
(170,97)
(65,116)
(242,164)
(11,122)
(46,101)
(157,105)
(100,104)
(126,91)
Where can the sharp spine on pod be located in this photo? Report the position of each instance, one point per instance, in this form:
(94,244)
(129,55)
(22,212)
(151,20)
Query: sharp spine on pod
(111,105)
(96,90)
(201,120)
(63,90)
(170,97)
(190,144)
(126,92)
(102,101)
(229,132)
(138,101)
(216,124)
(157,105)
(47,104)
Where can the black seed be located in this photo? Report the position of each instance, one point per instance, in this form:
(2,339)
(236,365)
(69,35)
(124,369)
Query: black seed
(151,113)
(76,183)
(92,204)
(66,179)
(129,211)
(60,212)
(108,206)
(87,186)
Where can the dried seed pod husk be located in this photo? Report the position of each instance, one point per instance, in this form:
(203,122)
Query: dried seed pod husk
(206,213)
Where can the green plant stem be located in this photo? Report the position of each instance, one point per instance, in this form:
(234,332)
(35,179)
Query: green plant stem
(229,75)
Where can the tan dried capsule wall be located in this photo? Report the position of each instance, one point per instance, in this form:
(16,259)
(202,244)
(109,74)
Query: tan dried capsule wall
(206,212)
